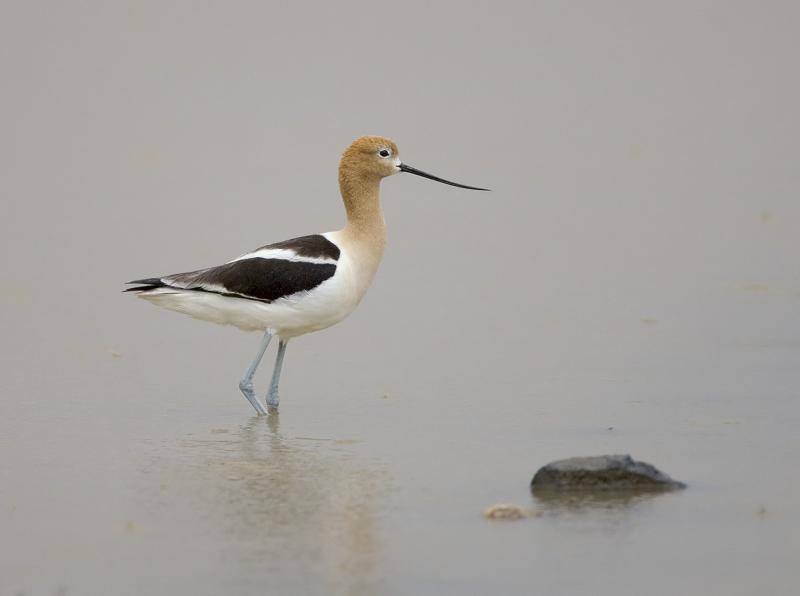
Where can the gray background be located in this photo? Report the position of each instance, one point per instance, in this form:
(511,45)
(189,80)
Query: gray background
(630,285)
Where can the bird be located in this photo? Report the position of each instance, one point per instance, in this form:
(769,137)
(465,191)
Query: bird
(297,286)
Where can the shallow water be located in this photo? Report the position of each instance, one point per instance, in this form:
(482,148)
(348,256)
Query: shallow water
(630,286)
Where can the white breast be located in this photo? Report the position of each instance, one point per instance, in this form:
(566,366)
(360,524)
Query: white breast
(332,300)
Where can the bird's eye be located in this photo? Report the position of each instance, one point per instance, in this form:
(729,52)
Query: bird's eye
(384,153)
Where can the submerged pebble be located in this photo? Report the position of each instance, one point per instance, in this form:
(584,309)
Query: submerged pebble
(507,511)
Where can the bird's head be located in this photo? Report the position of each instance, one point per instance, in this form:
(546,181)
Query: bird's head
(371,158)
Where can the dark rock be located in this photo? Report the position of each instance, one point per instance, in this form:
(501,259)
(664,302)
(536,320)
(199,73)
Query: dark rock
(601,473)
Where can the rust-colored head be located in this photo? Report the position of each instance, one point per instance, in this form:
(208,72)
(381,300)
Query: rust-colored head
(370,158)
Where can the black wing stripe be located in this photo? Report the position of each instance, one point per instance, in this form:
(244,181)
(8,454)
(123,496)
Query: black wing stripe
(256,279)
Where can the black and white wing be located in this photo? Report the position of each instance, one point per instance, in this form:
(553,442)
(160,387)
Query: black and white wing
(266,274)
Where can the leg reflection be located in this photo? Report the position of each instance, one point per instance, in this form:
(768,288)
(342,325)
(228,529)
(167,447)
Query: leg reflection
(306,507)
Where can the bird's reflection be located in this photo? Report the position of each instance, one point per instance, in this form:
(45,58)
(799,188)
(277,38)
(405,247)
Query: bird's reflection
(299,511)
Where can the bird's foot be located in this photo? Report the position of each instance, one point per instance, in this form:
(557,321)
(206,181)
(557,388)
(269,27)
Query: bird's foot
(272,402)
(247,390)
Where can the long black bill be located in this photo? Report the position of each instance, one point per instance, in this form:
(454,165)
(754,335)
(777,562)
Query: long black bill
(405,168)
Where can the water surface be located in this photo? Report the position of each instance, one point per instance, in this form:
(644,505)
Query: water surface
(630,286)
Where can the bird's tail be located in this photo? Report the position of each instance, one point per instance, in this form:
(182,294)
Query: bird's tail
(143,285)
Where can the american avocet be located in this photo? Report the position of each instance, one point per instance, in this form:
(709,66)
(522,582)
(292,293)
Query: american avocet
(301,285)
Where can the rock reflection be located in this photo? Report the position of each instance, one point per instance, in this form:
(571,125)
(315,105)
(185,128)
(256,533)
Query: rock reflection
(299,512)
(579,500)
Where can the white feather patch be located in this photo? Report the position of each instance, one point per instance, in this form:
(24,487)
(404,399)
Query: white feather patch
(284,254)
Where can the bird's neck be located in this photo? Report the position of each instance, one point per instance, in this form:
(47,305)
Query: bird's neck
(365,223)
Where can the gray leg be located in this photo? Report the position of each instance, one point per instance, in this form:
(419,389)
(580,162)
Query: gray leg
(246,384)
(272,396)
